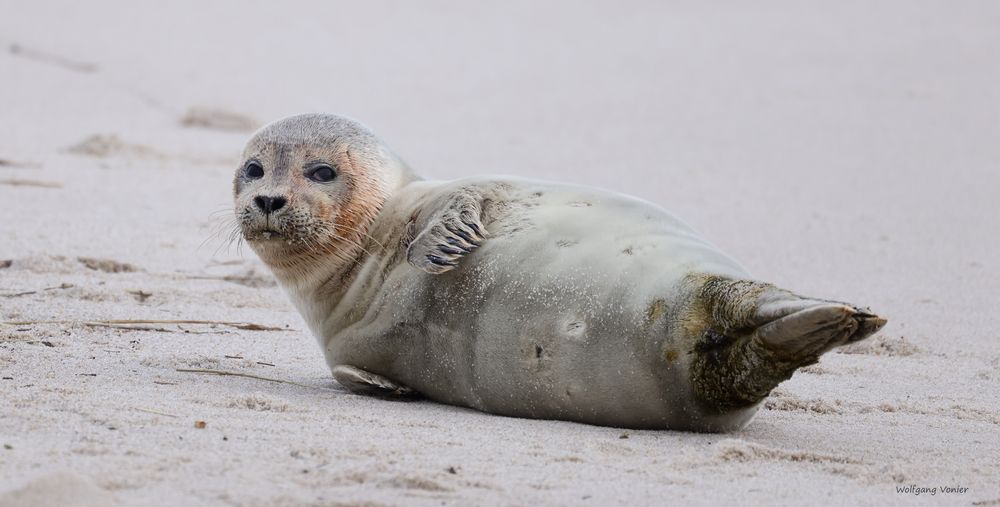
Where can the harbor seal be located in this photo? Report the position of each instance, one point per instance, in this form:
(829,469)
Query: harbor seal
(518,297)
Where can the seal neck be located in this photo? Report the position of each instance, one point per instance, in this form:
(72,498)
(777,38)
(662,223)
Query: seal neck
(316,285)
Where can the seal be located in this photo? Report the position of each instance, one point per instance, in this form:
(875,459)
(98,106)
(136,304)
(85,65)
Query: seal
(518,297)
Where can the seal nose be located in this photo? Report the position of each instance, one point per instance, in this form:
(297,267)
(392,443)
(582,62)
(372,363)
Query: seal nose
(269,204)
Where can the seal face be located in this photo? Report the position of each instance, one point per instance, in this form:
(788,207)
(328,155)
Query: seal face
(305,190)
(518,297)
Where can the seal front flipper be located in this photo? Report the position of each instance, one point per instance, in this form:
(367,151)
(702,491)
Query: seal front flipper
(359,381)
(452,232)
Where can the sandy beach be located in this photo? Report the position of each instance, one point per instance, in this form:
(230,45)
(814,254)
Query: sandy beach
(847,151)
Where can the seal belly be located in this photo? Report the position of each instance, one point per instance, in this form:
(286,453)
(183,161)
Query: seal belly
(565,312)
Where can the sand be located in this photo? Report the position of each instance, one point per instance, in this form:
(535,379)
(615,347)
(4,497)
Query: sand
(847,150)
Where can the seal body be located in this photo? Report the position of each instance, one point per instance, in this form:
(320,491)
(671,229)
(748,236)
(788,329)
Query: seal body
(564,313)
(542,300)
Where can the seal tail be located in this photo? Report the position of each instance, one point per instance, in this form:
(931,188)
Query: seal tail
(756,336)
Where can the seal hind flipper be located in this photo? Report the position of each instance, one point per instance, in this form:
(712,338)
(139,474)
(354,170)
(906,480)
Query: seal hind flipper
(359,381)
(758,335)
(807,333)
(450,234)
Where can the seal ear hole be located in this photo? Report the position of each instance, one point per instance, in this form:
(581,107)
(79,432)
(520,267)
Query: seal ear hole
(253,170)
(321,173)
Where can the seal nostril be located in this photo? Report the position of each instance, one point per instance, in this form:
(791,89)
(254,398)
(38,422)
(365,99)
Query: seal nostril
(269,204)
(264,203)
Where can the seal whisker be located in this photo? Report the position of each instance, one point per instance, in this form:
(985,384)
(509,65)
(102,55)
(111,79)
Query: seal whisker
(331,231)
(226,229)
(364,234)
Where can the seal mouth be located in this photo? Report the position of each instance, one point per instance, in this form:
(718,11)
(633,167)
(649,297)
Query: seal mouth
(263,235)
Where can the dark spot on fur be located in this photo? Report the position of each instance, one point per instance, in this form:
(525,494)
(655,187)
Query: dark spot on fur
(670,355)
(580,204)
(627,251)
(536,194)
(563,243)
(538,351)
(712,340)
(655,311)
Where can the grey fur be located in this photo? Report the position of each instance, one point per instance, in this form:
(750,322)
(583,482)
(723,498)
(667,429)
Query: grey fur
(540,300)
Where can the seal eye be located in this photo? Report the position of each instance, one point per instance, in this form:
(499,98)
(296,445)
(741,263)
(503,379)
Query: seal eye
(321,174)
(254,170)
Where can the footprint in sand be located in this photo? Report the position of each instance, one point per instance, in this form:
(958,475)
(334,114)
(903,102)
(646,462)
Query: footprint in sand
(785,402)
(15,164)
(882,346)
(59,488)
(259,402)
(17,182)
(107,145)
(52,59)
(107,265)
(414,482)
(218,119)
(730,450)
(741,451)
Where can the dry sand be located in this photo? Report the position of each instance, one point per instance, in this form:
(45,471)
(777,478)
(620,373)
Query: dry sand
(848,150)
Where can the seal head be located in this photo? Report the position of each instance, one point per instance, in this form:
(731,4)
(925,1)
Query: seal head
(308,188)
